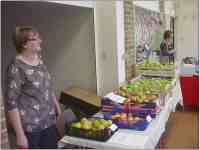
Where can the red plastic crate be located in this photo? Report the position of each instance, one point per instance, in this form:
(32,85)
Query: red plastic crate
(190,90)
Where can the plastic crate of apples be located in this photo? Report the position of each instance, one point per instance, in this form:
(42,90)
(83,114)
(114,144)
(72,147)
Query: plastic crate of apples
(150,68)
(128,120)
(140,110)
(145,90)
(92,128)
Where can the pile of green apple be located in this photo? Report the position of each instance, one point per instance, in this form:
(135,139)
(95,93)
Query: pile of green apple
(94,124)
(144,90)
(148,65)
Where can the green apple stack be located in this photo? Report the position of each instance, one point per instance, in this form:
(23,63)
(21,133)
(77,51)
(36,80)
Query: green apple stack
(148,65)
(93,124)
(144,90)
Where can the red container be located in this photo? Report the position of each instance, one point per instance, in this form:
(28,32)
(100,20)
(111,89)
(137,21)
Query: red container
(190,89)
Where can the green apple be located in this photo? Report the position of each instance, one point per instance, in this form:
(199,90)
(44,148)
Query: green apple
(76,125)
(101,127)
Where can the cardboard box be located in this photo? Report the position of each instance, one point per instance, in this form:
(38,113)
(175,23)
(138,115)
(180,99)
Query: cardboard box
(81,100)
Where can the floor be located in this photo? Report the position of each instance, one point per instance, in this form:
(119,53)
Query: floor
(182,130)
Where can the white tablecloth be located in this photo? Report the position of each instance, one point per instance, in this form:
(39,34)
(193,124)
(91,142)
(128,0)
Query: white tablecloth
(130,139)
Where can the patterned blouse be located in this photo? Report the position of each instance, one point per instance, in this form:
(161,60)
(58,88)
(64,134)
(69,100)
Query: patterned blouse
(29,90)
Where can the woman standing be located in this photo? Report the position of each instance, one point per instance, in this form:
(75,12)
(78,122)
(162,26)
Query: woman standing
(166,48)
(31,103)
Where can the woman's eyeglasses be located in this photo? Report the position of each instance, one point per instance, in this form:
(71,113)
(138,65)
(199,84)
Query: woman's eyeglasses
(32,39)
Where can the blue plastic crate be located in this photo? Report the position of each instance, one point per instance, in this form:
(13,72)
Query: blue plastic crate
(140,111)
(141,125)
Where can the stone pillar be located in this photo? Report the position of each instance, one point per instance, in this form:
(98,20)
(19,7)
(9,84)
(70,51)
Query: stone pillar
(130,52)
(4,134)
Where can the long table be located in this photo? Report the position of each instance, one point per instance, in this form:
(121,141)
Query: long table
(131,139)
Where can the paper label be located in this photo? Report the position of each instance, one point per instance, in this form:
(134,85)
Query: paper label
(148,118)
(115,98)
(113,127)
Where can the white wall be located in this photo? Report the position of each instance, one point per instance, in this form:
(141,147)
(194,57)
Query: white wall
(85,3)
(150,4)
(120,42)
(169,7)
(186,28)
(106,45)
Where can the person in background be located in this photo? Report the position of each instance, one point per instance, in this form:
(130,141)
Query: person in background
(147,51)
(30,101)
(166,48)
